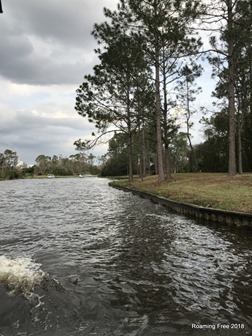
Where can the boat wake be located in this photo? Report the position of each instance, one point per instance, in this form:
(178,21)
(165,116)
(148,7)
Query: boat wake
(32,302)
(20,276)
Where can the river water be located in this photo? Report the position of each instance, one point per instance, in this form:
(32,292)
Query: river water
(78,257)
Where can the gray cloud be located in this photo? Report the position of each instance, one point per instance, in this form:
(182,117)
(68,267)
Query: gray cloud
(46,49)
(48,42)
(68,22)
(37,70)
(31,135)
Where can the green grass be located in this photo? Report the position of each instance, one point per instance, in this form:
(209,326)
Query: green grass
(206,189)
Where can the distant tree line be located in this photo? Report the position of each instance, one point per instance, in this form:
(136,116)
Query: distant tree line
(76,164)
(65,166)
(149,59)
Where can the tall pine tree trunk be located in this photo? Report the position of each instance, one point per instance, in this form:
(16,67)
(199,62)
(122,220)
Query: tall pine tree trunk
(167,160)
(231,74)
(160,163)
(143,153)
(130,152)
(239,147)
(239,134)
(188,116)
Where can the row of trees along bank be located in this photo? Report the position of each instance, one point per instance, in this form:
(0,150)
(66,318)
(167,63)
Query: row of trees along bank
(149,58)
(9,165)
(66,166)
(11,168)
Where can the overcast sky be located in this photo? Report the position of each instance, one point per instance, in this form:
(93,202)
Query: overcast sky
(46,49)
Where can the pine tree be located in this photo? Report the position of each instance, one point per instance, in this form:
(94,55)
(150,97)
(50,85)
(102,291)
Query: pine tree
(165,26)
(228,17)
(187,91)
(109,96)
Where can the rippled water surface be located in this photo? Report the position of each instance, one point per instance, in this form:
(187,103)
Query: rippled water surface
(78,257)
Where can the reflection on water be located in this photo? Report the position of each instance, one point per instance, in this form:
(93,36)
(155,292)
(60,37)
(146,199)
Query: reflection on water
(111,263)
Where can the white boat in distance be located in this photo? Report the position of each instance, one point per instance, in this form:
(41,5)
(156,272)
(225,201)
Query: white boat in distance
(50,176)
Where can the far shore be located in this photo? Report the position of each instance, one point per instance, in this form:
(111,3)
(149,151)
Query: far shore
(29,177)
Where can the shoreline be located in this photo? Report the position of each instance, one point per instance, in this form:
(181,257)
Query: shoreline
(239,219)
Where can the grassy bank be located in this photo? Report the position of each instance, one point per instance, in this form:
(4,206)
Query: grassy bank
(206,189)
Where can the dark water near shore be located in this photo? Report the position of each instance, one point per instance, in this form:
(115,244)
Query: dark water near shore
(80,258)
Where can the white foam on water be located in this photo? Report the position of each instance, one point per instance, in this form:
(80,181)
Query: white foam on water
(20,275)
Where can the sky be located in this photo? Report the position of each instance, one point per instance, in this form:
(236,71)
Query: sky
(46,49)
